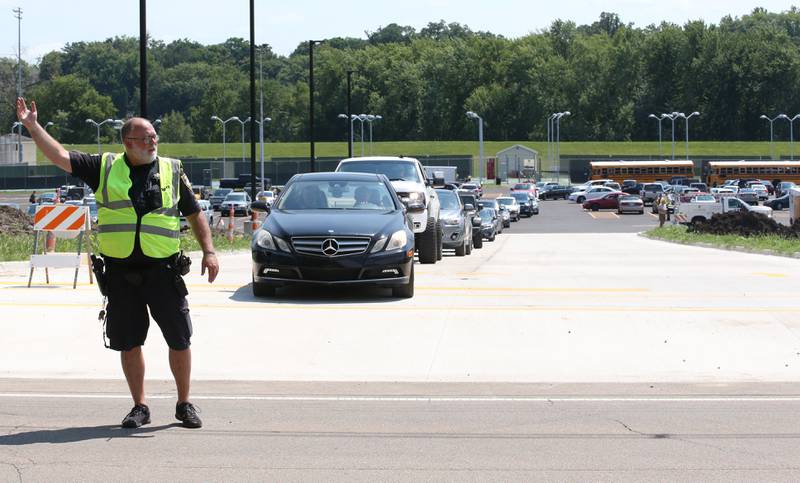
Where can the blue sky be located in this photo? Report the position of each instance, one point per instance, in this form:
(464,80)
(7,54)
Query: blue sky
(48,24)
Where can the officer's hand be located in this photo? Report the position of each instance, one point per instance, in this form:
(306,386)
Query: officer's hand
(209,262)
(26,116)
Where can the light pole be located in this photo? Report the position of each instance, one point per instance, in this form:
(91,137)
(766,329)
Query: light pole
(370,119)
(97,125)
(659,119)
(472,115)
(771,147)
(686,118)
(558,142)
(261,141)
(311,44)
(243,123)
(352,118)
(49,123)
(791,133)
(18,126)
(226,121)
(362,118)
(672,116)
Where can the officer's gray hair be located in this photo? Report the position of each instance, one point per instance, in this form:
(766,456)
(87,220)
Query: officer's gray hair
(128,125)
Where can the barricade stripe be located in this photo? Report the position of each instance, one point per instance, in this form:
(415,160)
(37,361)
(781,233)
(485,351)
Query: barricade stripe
(49,216)
(56,223)
(41,213)
(77,225)
(78,217)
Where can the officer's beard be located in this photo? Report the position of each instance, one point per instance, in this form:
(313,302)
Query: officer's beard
(152,156)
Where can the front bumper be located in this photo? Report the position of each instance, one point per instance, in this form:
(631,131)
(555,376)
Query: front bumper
(280,269)
(453,236)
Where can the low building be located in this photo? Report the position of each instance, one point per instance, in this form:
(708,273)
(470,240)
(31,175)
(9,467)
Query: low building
(517,161)
(10,153)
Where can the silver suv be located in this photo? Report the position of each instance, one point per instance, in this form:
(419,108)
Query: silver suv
(651,191)
(415,191)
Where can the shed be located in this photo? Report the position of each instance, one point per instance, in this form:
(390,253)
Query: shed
(9,150)
(517,161)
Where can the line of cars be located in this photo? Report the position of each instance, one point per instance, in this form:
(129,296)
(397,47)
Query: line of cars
(362,225)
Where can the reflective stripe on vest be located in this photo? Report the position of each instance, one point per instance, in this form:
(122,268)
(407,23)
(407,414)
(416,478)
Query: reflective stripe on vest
(159,230)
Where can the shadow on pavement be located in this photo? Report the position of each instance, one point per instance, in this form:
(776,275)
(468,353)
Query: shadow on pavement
(72,435)
(311,295)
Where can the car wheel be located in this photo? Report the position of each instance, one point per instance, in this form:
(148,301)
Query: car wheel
(461,250)
(595,208)
(263,290)
(439,236)
(491,238)
(580,200)
(619,212)
(641,212)
(536,211)
(477,242)
(405,291)
(427,243)
(507,224)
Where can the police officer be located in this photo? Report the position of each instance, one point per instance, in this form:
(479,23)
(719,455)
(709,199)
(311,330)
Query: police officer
(140,197)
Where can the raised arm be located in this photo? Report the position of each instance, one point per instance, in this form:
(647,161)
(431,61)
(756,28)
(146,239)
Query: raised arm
(51,148)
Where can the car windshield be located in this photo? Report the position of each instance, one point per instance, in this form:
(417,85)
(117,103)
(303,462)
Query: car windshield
(222,192)
(522,186)
(337,195)
(448,200)
(469,186)
(395,171)
(704,198)
(486,214)
(630,198)
(506,201)
(521,196)
(236,197)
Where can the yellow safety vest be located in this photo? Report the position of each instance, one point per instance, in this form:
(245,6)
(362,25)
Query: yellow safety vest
(159,231)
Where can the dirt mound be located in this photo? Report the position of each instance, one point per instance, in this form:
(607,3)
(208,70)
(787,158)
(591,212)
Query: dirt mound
(14,221)
(745,223)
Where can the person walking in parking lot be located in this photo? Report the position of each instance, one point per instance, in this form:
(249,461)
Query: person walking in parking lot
(32,199)
(662,204)
(140,197)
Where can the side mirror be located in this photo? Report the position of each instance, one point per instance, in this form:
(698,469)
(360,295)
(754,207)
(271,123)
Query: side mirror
(468,207)
(416,206)
(476,221)
(438,181)
(260,206)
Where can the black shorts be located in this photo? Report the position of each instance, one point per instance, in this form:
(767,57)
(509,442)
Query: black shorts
(131,292)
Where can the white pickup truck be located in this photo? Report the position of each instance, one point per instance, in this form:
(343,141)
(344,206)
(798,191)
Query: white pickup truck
(702,212)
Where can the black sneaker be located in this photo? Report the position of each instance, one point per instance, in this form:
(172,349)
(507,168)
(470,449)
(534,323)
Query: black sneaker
(139,415)
(187,413)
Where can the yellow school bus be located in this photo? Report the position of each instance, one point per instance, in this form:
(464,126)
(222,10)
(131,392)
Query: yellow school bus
(720,171)
(642,171)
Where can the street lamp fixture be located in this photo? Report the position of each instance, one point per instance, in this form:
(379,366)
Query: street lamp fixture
(791,132)
(224,123)
(242,123)
(672,116)
(261,142)
(482,168)
(370,119)
(659,119)
(684,116)
(352,118)
(558,117)
(361,118)
(156,124)
(97,125)
(771,146)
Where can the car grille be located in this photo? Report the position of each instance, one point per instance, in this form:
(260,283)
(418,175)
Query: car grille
(330,246)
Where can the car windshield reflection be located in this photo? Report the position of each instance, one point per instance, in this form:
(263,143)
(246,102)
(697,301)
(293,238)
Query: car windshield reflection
(338,195)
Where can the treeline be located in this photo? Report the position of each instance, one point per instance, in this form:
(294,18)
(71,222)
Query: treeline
(609,74)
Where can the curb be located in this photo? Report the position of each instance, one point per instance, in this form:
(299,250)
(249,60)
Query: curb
(755,251)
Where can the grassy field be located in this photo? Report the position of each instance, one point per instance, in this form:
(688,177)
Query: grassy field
(432,148)
(679,234)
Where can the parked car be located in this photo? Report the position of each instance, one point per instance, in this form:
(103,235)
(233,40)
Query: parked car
(779,204)
(529,187)
(218,196)
(554,192)
(205,210)
(635,189)
(491,224)
(630,204)
(607,201)
(770,187)
(239,201)
(591,193)
(761,191)
(319,233)
(527,206)
(748,195)
(783,188)
(497,207)
(456,224)
(651,191)
(702,187)
(702,212)
(46,199)
(476,188)
(266,196)
(511,204)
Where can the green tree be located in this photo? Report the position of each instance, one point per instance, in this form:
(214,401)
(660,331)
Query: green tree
(174,129)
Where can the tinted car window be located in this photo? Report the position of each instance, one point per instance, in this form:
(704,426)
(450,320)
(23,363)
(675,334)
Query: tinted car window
(351,195)
(448,200)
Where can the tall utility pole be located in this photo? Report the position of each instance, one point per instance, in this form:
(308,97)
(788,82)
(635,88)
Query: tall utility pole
(143,58)
(253,101)
(18,15)
(349,114)
(311,44)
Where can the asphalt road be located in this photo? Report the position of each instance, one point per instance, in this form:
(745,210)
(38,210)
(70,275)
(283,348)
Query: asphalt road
(403,432)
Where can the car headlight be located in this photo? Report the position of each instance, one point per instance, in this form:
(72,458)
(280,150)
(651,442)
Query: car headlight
(414,198)
(266,240)
(397,241)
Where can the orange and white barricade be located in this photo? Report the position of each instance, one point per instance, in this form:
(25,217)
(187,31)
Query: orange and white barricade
(64,221)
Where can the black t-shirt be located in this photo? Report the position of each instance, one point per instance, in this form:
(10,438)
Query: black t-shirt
(145,193)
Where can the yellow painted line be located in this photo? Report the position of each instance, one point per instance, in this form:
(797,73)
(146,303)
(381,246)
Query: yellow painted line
(771,275)
(603,215)
(395,307)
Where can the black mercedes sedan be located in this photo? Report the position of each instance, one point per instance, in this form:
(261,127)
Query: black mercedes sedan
(332,229)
